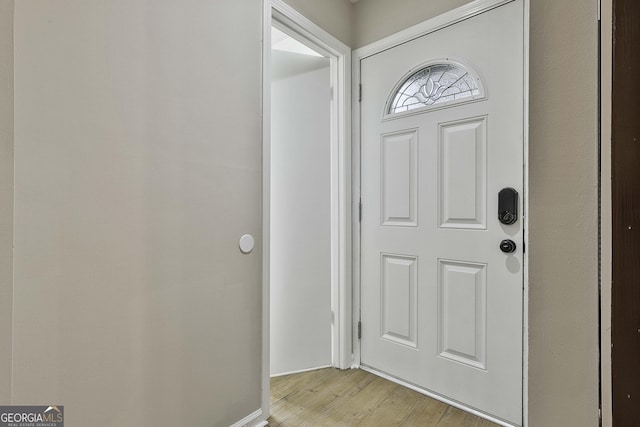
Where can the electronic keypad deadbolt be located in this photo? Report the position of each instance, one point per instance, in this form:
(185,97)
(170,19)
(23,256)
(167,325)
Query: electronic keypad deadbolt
(508,206)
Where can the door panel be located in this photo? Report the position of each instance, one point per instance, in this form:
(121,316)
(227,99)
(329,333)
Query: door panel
(400,178)
(462,182)
(462,312)
(441,303)
(398,299)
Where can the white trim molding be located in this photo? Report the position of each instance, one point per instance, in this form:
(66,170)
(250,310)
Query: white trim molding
(300,371)
(302,29)
(434,24)
(251,420)
(525,221)
(266,205)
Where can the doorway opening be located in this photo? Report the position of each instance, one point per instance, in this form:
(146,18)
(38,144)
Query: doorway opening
(306,197)
(300,270)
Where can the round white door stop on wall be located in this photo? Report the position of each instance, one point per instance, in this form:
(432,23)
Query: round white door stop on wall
(246,243)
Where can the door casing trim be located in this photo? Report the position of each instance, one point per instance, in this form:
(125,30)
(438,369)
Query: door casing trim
(429,26)
(285,17)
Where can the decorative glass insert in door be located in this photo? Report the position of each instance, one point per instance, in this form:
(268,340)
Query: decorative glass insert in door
(435,85)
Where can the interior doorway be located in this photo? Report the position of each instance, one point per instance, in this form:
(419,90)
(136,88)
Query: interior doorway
(300,270)
(306,197)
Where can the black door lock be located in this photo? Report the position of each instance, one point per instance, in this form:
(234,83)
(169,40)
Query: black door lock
(508,246)
(508,206)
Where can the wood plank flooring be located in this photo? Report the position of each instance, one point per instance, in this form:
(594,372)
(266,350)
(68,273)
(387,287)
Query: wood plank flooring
(334,398)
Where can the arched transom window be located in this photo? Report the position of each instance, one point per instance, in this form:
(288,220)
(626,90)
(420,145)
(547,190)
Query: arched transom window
(435,85)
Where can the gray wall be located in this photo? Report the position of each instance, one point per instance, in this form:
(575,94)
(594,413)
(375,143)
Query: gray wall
(333,16)
(375,19)
(563,202)
(563,305)
(6,196)
(110,133)
(137,169)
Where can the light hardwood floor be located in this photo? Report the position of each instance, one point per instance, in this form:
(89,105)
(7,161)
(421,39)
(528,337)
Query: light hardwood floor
(332,398)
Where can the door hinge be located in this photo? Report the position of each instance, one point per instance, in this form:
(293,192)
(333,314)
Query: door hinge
(359,329)
(360,92)
(360,211)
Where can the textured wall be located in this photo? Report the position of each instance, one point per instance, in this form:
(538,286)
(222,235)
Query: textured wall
(137,169)
(6,196)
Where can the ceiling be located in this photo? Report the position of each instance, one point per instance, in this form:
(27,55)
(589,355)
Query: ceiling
(287,64)
(285,43)
(290,57)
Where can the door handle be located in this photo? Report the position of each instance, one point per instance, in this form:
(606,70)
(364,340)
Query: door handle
(508,206)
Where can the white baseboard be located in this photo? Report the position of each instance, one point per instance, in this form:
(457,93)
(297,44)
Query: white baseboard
(301,371)
(251,420)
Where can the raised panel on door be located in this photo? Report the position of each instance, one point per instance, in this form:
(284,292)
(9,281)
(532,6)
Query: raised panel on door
(462,180)
(462,312)
(399,167)
(399,305)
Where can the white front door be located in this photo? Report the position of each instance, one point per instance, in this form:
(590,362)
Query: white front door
(441,135)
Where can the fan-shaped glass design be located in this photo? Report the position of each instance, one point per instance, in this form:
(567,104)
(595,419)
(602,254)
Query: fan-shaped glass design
(435,84)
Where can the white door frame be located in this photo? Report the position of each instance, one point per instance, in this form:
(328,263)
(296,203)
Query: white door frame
(276,11)
(456,15)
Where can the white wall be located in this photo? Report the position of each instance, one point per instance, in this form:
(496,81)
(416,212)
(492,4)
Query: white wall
(6,196)
(300,213)
(563,210)
(137,169)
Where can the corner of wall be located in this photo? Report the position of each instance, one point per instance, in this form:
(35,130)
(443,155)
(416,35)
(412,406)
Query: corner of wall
(6,197)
